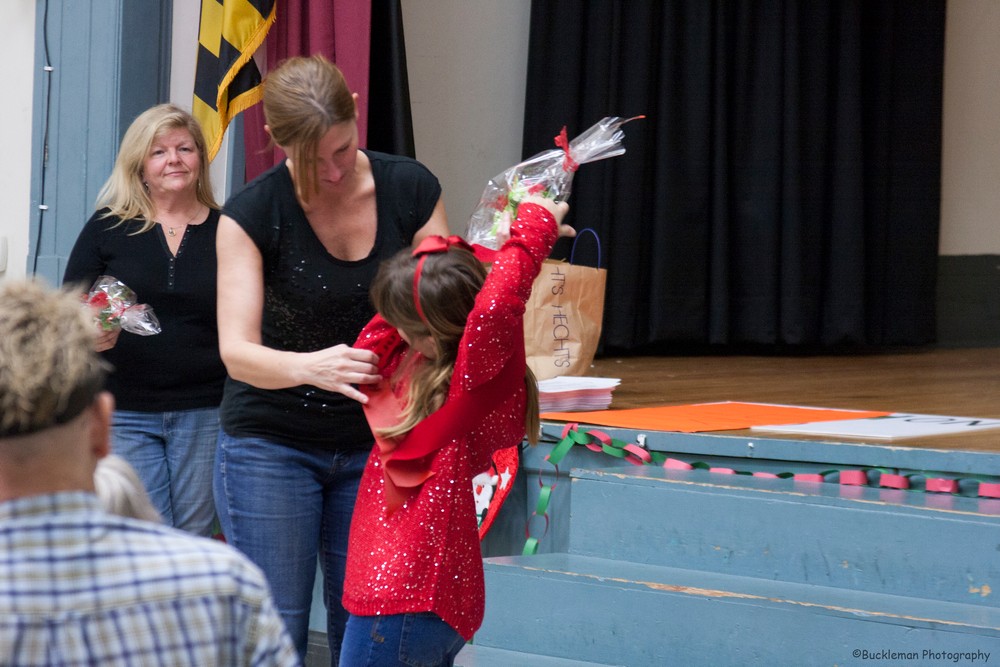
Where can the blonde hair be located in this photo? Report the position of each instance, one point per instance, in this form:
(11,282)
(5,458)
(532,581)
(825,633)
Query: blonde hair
(121,491)
(449,284)
(124,194)
(303,98)
(49,371)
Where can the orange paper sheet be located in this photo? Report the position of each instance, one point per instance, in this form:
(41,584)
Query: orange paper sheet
(724,416)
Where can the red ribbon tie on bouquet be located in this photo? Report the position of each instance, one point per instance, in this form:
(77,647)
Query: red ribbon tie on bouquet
(562,141)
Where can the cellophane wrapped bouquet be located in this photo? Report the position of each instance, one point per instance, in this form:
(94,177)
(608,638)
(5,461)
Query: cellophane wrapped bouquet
(549,174)
(116,307)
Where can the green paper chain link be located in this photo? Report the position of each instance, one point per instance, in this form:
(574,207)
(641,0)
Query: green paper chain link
(616,448)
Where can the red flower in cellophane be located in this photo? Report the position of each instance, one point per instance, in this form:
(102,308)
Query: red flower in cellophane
(115,307)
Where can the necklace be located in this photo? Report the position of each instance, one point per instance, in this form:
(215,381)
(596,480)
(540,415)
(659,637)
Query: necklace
(171,230)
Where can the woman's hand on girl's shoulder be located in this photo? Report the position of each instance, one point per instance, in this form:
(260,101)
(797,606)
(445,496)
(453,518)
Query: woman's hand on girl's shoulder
(340,368)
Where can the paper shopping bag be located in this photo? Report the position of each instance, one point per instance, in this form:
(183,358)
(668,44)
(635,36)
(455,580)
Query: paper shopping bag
(563,317)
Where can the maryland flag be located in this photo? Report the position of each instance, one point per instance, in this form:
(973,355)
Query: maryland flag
(226,79)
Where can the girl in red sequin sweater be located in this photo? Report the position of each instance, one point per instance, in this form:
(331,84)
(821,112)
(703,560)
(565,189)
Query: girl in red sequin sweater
(450,341)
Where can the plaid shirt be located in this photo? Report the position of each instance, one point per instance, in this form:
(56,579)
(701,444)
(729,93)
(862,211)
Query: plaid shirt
(79,586)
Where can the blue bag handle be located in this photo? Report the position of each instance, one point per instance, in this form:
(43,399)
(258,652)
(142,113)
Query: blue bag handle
(597,239)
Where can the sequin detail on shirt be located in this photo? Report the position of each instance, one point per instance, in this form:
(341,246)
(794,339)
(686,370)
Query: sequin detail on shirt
(426,555)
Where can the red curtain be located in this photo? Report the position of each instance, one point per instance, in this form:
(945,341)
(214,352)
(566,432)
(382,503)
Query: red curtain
(338,29)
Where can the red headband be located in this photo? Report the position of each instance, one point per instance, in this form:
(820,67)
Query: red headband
(431,245)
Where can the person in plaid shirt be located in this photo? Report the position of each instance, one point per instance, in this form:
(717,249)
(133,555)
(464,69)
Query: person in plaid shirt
(80,586)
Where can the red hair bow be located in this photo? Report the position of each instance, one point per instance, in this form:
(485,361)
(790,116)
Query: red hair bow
(435,244)
(429,246)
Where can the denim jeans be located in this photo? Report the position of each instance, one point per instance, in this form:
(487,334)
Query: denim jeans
(284,507)
(399,640)
(173,453)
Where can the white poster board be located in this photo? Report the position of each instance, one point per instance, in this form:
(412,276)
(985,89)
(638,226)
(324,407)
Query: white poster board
(890,427)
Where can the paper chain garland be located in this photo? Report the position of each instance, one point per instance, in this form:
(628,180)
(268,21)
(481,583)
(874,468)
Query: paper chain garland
(599,441)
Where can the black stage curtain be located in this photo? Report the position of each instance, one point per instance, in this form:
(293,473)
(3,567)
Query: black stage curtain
(784,187)
(390,124)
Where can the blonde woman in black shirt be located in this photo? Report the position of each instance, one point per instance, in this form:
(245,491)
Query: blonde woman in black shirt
(154,230)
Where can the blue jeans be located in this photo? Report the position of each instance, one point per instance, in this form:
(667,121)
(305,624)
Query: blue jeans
(173,453)
(284,507)
(399,640)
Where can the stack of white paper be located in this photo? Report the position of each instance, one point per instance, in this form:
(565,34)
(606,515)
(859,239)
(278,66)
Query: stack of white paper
(889,427)
(575,394)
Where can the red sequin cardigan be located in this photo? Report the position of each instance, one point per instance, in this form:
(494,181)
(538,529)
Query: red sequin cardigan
(425,555)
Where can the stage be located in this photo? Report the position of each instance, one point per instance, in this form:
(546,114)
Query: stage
(808,557)
(956,382)
(962,382)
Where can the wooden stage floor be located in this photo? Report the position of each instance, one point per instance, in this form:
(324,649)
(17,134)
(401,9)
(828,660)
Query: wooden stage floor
(954,382)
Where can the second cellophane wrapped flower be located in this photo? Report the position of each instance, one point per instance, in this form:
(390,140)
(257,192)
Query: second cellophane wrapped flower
(549,174)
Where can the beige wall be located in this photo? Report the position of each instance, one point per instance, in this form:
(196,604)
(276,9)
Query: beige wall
(17,49)
(467,62)
(970,179)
